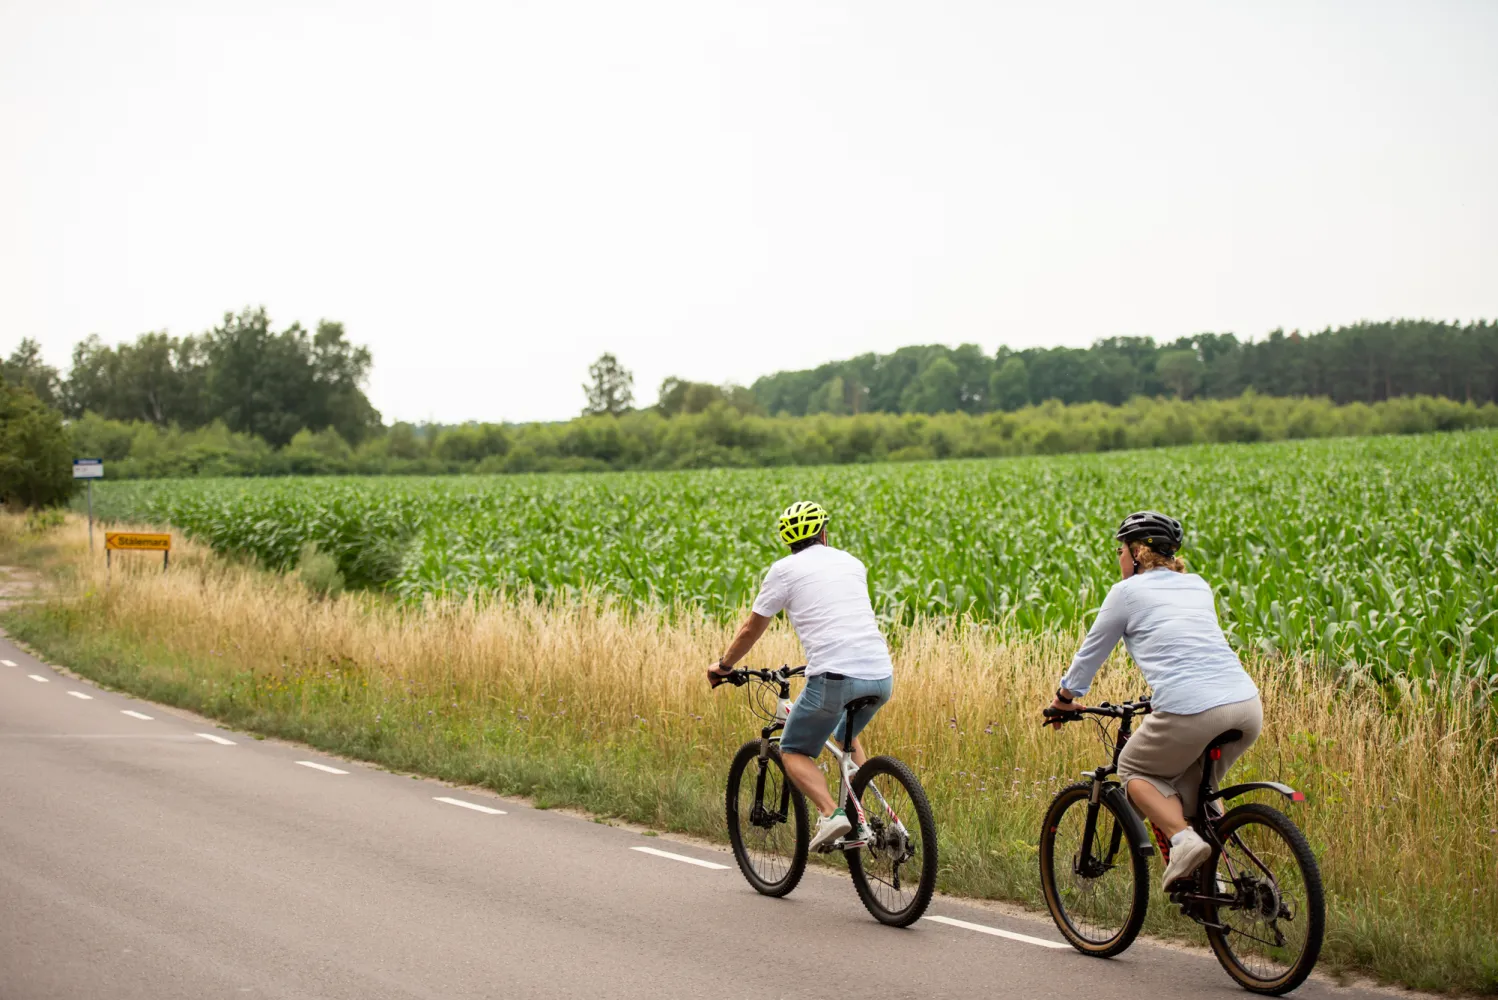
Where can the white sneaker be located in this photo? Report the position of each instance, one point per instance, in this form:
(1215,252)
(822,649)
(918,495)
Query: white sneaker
(1186,855)
(829,828)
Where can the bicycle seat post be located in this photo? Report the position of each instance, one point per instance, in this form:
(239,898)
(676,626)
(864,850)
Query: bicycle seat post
(1210,757)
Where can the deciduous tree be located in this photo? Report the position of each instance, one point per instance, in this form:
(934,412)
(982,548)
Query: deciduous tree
(611,389)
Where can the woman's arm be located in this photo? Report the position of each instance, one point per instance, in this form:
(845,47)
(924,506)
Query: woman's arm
(1109,627)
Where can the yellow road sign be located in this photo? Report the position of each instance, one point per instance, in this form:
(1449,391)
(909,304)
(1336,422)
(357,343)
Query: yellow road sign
(137,541)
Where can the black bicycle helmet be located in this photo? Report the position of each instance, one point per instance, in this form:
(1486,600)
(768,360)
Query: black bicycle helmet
(1160,532)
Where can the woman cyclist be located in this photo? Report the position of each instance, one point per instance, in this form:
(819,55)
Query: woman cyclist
(1167,619)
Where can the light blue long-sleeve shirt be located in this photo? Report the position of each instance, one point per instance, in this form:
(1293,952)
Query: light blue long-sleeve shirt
(1168,622)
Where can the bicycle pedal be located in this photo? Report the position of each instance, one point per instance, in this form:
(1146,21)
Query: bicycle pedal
(847,845)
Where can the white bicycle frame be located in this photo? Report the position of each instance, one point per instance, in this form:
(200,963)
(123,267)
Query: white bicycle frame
(846,770)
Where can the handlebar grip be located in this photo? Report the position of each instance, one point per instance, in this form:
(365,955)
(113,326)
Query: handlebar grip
(738,678)
(1056,717)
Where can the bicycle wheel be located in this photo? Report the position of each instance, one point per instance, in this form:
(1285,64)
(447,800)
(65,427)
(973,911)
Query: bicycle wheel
(895,872)
(1098,902)
(1275,923)
(766,821)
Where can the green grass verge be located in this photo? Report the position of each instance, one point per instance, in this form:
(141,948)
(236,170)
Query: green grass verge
(643,776)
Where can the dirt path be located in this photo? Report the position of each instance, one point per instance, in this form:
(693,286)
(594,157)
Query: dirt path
(17,584)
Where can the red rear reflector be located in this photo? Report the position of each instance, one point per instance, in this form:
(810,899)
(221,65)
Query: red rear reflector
(1297,796)
(1216,753)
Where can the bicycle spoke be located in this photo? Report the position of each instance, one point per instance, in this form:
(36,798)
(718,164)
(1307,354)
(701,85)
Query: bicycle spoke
(1098,894)
(892,859)
(769,838)
(1268,893)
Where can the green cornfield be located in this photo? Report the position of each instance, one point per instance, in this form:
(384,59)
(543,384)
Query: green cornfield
(1375,555)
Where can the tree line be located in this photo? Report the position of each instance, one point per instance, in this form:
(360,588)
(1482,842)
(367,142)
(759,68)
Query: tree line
(722,436)
(242,374)
(244,399)
(1361,363)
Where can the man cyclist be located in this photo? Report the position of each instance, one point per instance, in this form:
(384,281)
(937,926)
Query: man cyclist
(825,593)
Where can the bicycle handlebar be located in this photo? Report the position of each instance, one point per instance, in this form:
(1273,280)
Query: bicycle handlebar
(1127,710)
(743,675)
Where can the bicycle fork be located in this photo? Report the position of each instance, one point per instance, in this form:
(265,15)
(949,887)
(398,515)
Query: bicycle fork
(1085,857)
(758,817)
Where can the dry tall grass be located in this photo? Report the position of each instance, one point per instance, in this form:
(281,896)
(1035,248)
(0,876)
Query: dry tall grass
(592,706)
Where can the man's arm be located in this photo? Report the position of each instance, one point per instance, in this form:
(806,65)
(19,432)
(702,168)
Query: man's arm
(748,634)
(767,605)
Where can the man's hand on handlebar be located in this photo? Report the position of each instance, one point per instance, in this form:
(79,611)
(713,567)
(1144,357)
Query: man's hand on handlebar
(719,674)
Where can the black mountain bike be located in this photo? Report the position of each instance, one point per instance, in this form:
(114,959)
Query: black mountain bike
(1258,895)
(893,866)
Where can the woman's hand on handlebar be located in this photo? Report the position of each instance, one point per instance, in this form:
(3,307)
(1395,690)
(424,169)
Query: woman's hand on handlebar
(1057,705)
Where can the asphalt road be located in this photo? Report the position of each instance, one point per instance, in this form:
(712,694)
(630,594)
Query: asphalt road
(147,854)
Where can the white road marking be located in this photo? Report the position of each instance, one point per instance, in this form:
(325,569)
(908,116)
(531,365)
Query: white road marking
(8,663)
(37,677)
(135,715)
(680,857)
(320,767)
(1011,935)
(217,739)
(470,805)
(80,694)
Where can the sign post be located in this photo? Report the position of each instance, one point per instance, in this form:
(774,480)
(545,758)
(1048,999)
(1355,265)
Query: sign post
(90,469)
(136,541)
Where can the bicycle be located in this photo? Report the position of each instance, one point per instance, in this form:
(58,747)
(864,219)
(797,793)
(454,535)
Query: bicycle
(769,828)
(1258,895)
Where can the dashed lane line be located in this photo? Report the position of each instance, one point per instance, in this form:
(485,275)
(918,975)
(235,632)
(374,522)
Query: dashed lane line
(680,857)
(38,678)
(216,739)
(135,715)
(996,932)
(8,663)
(80,695)
(320,767)
(469,805)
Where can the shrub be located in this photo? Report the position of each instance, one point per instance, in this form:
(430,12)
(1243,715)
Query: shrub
(318,572)
(36,461)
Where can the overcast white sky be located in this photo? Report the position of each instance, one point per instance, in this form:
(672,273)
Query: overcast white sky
(491,194)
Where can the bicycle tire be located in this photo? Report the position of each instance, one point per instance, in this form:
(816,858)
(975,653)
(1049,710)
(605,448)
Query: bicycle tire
(1315,903)
(770,882)
(912,911)
(1075,930)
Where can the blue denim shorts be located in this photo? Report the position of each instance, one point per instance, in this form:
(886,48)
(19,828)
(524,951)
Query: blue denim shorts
(819,713)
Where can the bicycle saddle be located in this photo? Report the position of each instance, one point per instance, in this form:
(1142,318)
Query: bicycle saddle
(1222,739)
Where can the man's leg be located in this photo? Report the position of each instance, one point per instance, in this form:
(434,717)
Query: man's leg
(806,776)
(859,757)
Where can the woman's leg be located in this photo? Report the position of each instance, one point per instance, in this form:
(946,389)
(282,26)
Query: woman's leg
(1162,810)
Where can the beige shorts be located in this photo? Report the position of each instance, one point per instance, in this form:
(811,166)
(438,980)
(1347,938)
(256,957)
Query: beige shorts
(1167,749)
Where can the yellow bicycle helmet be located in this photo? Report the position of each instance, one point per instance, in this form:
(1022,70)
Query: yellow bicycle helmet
(801,520)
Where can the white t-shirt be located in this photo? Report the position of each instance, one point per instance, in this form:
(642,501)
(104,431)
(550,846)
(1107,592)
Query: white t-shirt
(825,593)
